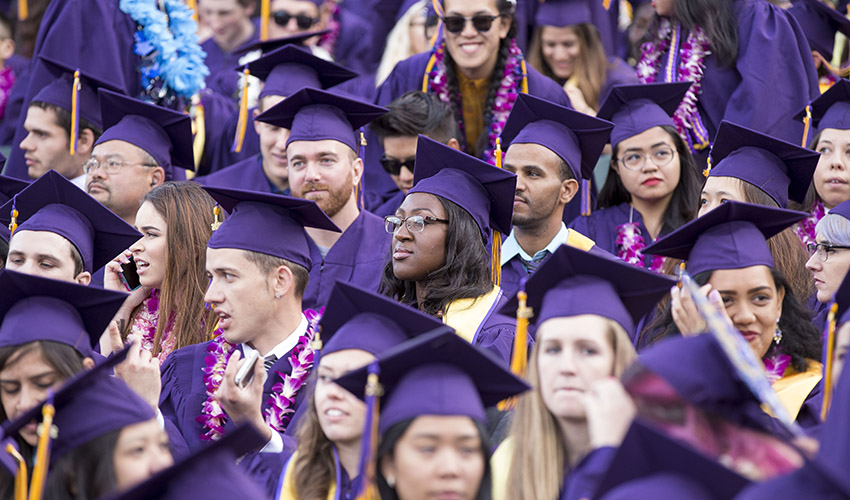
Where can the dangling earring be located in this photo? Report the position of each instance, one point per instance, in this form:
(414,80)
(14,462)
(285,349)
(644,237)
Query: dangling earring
(391,481)
(777,335)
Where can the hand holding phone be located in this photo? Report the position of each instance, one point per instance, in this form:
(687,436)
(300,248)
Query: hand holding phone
(246,371)
(129,276)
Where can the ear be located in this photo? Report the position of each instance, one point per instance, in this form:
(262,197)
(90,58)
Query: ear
(357,165)
(84,278)
(283,282)
(157,176)
(454,144)
(505,25)
(88,363)
(7,49)
(569,189)
(85,142)
(780,295)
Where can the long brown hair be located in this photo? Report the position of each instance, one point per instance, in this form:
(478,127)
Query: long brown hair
(591,68)
(539,452)
(188,213)
(314,467)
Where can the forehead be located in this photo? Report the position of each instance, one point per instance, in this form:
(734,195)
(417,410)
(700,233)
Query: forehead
(584,327)
(469,7)
(741,279)
(316,148)
(443,426)
(295,6)
(729,185)
(558,33)
(40,242)
(41,118)
(532,154)
(646,139)
(416,201)
(346,360)
(120,149)
(834,135)
(229,258)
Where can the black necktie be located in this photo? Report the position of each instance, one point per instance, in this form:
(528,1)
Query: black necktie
(269,361)
(534,263)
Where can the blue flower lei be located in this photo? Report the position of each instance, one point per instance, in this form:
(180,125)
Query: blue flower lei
(172,61)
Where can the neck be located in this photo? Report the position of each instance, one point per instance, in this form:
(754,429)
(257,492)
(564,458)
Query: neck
(247,32)
(349,457)
(282,184)
(283,324)
(652,213)
(534,238)
(343,219)
(484,71)
(576,438)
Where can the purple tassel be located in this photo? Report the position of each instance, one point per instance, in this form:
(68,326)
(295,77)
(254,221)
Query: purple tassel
(585,197)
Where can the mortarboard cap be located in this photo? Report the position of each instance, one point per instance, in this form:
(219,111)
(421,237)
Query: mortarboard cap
(267,223)
(573,282)
(575,137)
(484,191)
(777,167)
(820,22)
(59,91)
(9,187)
(563,13)
(437,373)
(732,236)
(316,115)
(34,308)
(637,108)
(649,464)
(54,204)
(164,134)
(266,46)
(842,298)
(832,108)
(208,474)
(360,319)
(842,209)
(287,70)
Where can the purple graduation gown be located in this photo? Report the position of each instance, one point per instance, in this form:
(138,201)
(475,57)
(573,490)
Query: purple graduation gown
(246,174)
(352,48)
(582,482)
(390,206)
(601,227)
(220,154)
(358,258)
(513,271)
(223,77)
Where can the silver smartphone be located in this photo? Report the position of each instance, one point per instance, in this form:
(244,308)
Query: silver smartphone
(246,371)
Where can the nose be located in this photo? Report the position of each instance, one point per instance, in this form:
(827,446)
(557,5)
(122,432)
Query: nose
(28,399)
(405,176)
(743,315)
(27,143)
(448,465)
(281,137)
(160,460)
(814,263)
(468,31)
(402,233)
(137,247)
(292,25)
(213,294)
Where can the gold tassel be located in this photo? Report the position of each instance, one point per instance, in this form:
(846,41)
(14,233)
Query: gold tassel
(42,454)
(606,4)
(199,128)
(193,5)
(830,348)
(524,84)
(14,224)
(707,168)
(498,152)
(807,124)
(496,261)
(242,124)
(374,392)
(75,105)
(216,217)
(519,358)
(23,10)
(21,476)
(265,13)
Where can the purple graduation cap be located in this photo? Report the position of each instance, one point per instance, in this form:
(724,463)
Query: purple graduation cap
(777,167)
(842,209)
(54,204)
(208,474)
(164,134)
(287,70)
(484,191)
(832,108)
(360,319)
(563,13)
(649,464)
(637,108)
(34,308)
(266,46)
(732,236)
(88,406)
(267,223)
(60,91)
(575,137)
(316,115)
(9,187)
(820,22)
(436,373)
(573,282)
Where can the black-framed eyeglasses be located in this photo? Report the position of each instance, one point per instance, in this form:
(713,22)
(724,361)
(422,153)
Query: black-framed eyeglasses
(824,249)
(635,160)
(481,22)
(110,165)
(393,166)
(414,223)
(281,18)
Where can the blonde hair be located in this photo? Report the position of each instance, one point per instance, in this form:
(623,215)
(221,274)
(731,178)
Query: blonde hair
(538,458)
(398,47)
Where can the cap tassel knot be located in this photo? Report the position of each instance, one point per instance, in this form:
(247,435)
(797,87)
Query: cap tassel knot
(242,123)
(216,217)
(830,348)
(369,441)
(807,124)
(75,113)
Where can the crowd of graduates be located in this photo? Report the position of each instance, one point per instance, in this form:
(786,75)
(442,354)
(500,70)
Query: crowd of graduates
(414,249)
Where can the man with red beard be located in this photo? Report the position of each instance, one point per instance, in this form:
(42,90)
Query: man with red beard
(324,167)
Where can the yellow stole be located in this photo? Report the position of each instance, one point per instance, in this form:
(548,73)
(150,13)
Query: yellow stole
(467,315)
(500,463)
(794,387)
(577,240)
(287,491)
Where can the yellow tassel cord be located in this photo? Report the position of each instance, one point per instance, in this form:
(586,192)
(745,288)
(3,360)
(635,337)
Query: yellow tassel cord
(707,169)
(496,260)
(524,86)
(23,10)
(216,217)
(830,348)
(807,124)
(242,124)
(519,358)
(428,68)
(75,101)
(681,272)
(199,129)
(193,4)
(606,4)
(375,390)
(42,454)
(14,224)
(358,189)
(21,476)
(265,13)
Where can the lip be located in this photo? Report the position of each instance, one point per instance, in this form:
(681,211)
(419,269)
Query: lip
(518,200)
(836,181)
(750,335)
(142,266)
(29,161)
(575,390)
(818,282)
(652,181)
(224,319)
(448,495)
(95,186)
(338,416)
(470,47)
(400,253)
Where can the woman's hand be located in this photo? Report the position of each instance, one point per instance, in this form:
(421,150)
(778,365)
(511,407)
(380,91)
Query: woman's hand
(112,281)
(577,99)
(610,411)
(686,315)
(140,370)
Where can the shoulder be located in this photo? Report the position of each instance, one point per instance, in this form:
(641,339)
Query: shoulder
(180,366)
(406,76)
(371,225)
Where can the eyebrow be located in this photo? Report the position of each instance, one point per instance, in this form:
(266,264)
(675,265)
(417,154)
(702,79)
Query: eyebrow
(37,376)
(751,290)
(148,228)
(37,256)
(662,143)
(224,270)
(721,193)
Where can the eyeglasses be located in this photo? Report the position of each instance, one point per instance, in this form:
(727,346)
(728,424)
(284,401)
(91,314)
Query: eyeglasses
(414,223)
(393,166)
(635,160)
(482,23)
(281,18)
(110,165)
(823,250)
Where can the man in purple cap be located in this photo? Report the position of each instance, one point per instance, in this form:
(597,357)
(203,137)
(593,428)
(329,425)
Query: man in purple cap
(324,167)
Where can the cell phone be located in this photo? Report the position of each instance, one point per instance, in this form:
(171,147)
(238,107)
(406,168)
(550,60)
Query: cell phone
(129,276)
(246,371)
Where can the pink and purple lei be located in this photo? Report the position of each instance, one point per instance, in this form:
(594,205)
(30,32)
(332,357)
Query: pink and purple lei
(775,366)
(806,228)
(144,327)
(631,244)
(329,39)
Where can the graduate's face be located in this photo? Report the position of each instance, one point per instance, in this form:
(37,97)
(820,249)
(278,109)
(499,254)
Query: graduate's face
(718,190)
(325,172)
(573,352)
(45,254)
(753,303)
(140,452)
(540,193)
(122,192)
(437,457)
(842,343)
(46,146)
(651,182)
(475,53)
(243,295)
(828,275)
(24,382)
(416,255)
(561,49)
(229,21)
(150,252)
(401,148)
(341,414)
(273,146)
(664,7)
(293,8)
(832,175)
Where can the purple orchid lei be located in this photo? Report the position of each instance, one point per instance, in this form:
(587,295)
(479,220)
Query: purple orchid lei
(279,404)
(511,85)
(775,365)
(329,39)
(145,323)
(631,244)
(806,228)
(685,63)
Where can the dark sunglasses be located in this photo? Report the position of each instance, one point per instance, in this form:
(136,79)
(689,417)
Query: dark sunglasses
(482,23)
(393,167)
(281,18)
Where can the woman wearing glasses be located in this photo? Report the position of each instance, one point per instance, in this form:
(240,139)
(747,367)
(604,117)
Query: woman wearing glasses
(653,182)
(444,234)
(830,258)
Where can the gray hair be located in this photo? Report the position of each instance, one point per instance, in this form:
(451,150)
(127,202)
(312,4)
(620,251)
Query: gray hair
(834,229)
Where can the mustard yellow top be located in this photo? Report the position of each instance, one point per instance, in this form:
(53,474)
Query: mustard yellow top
(500,462)
(794,387)
(287,490)
(473,93)
(466,315)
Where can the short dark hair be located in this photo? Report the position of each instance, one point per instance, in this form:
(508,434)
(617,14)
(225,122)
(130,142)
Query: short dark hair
(417,113)
(63,118)
(268,263)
